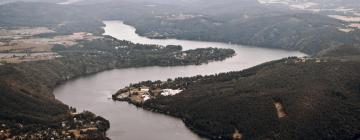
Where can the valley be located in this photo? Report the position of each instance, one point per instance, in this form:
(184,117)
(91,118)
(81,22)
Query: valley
(193,69)
(130,120)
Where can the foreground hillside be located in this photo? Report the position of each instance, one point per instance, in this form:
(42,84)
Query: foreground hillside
(285,99)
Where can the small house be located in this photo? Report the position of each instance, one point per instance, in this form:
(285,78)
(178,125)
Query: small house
(145,97)
(170,92)
(144,89)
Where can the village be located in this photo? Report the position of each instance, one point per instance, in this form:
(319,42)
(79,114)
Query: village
(306,59)
(79,126)
(138,95)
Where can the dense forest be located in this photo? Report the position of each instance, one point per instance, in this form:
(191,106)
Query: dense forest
(128,54)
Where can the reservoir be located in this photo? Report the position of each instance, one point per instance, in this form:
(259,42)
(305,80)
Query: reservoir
(93,93)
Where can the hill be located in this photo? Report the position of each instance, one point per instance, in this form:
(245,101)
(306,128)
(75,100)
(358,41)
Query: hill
(290,98)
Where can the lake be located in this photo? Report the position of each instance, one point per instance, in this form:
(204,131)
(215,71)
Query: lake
(93,93)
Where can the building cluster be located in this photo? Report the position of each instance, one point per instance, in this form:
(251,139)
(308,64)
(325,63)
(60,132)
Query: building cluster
(143,93)
(80,126)
(306,59)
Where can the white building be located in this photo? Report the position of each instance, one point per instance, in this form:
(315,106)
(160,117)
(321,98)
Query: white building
(145,97)
(144,89)
(170,92)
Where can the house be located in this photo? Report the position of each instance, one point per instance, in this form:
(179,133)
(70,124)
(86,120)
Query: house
(144,89)
(301,60)
(145,97)
(170,92)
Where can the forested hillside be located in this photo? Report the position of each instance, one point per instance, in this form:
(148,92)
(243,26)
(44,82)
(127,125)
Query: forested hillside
(318,100)
(306,32)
